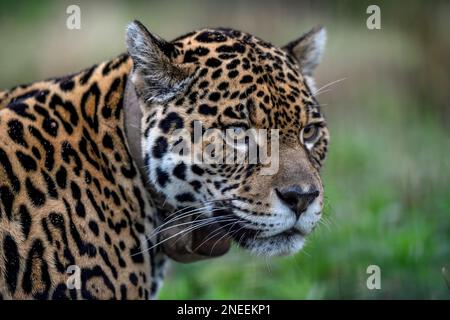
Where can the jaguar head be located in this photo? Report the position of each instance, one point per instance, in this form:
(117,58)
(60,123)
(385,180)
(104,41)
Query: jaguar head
(232,134)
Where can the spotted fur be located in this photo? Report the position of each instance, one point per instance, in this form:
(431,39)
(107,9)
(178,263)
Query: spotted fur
(72,194)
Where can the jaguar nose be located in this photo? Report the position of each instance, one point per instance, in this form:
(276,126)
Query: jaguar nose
(297,199)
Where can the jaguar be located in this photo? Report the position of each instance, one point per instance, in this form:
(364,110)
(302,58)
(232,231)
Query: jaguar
(94,197)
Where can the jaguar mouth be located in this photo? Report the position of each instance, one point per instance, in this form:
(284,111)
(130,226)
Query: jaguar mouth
(292,232)
(284,243)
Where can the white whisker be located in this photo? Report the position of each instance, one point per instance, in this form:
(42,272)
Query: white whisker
(156,232)
(223,236)
(328,85)
(188,214)
(216,232)
(321,92)
(189,229)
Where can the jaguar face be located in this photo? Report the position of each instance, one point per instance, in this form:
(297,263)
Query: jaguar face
(215,88)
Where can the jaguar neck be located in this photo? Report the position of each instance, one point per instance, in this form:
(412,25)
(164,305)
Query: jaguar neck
(133,117)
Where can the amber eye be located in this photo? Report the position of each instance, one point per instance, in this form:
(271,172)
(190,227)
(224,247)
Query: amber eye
(309,134)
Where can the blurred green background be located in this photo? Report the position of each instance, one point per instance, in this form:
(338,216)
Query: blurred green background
(387,177)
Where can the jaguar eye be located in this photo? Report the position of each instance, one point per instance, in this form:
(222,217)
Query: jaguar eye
(236,131)
(309,134)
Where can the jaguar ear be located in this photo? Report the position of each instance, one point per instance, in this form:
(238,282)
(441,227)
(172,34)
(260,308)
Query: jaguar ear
(156,77)
(308,49)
